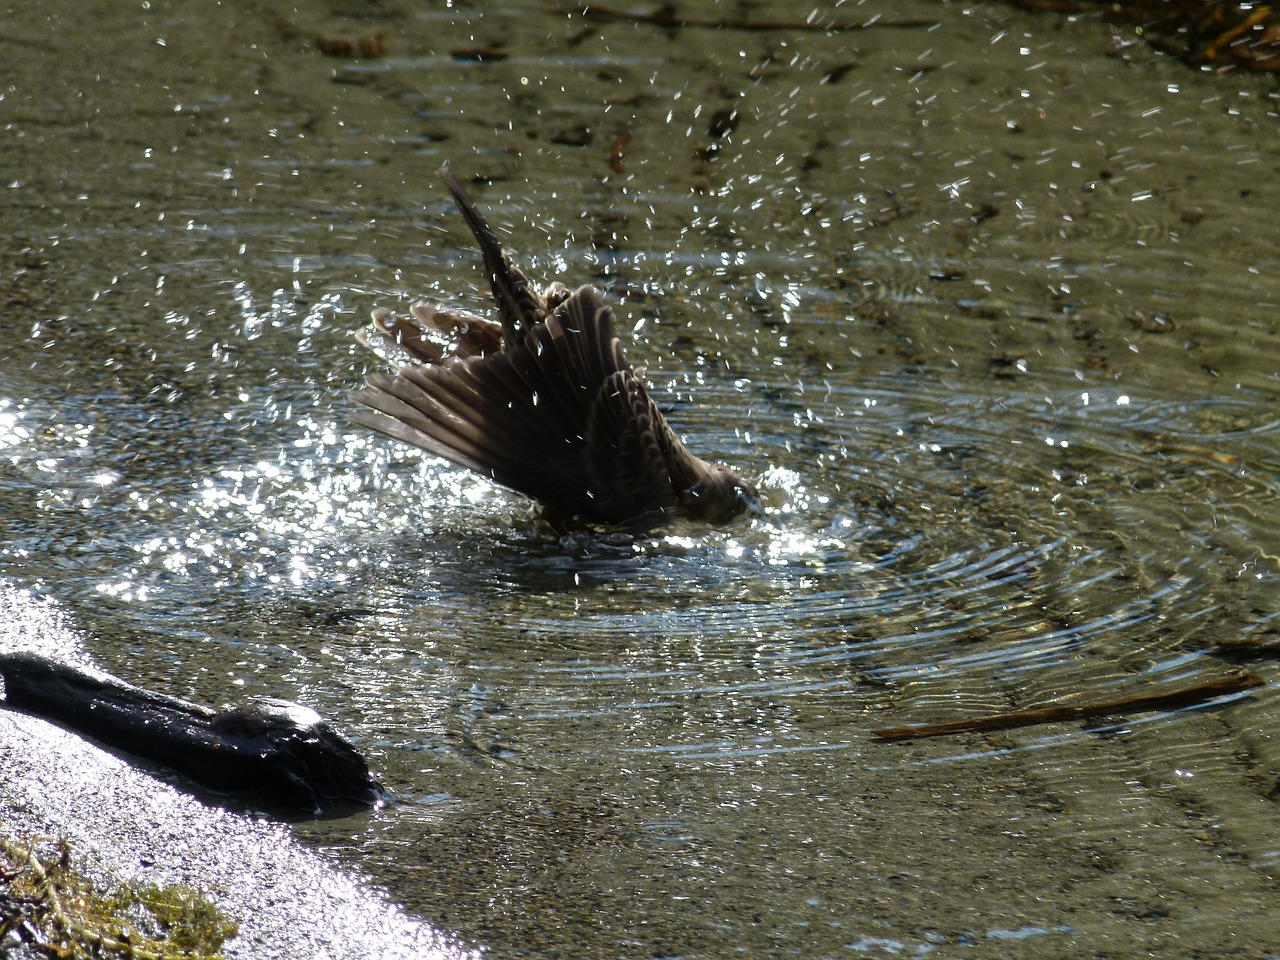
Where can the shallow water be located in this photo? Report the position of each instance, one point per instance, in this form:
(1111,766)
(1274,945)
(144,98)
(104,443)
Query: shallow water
(987,307)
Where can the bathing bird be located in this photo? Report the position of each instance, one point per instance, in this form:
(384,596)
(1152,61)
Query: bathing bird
(542,401)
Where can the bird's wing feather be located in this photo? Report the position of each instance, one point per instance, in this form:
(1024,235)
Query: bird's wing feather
(519,305)
(626,461)
(551,418)
(471,334)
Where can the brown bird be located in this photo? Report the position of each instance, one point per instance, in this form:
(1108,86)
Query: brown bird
(543,402)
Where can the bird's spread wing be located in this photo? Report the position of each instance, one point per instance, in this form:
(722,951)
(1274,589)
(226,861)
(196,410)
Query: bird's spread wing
(436,335)
(561,417)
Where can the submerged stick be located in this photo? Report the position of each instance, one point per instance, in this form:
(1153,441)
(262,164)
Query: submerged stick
(1168,700)
(666,16)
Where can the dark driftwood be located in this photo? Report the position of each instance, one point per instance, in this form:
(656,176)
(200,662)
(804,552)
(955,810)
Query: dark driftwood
(271,749)
(1167,700)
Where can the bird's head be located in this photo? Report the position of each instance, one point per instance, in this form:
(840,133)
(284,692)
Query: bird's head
(719,496)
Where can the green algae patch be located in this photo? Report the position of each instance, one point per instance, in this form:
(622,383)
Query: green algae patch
(49,907)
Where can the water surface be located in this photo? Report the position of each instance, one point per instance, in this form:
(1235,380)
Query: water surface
(987,307)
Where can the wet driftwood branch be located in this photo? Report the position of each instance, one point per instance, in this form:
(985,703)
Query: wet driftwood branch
(1188,696)
(273,749)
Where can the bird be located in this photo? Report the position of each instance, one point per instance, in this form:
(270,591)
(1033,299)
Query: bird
(542,401)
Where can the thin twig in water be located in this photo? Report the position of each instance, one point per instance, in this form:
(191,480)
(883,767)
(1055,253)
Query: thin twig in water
(666,16)
(1168,700)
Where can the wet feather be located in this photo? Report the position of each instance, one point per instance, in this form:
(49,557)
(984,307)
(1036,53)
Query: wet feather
(543,402)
